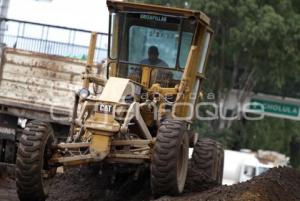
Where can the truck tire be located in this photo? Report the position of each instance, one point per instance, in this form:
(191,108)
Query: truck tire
(206,165)
(32,161)
(170,158)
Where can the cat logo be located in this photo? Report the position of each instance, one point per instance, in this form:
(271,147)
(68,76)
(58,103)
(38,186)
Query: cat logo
(106,109)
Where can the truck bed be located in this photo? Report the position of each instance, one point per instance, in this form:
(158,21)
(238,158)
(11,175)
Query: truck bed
(38,86)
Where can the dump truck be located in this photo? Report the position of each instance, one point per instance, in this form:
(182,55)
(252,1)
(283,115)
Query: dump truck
(142,118)
(39,74)
(35,86)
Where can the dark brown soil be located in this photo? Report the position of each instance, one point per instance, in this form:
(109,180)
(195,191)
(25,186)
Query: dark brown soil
(279,184)
(82,184)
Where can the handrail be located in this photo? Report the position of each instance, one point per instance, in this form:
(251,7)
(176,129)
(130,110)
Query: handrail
(49,25)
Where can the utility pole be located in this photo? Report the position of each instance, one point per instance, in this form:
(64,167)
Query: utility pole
(3,14)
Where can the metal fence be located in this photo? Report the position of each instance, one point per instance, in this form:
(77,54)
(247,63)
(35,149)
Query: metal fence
(49,39)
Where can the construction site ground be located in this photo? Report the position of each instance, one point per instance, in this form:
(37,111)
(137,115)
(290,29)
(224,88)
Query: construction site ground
(278,184)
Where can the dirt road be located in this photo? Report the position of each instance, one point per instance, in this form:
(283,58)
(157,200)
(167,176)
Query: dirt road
(279,184)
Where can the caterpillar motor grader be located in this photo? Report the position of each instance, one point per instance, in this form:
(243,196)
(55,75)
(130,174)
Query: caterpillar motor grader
(143,115)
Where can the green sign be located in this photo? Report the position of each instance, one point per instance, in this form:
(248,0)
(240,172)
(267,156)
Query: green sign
(275,107)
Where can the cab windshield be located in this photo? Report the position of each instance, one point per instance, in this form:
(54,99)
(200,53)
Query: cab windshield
(157,41)
(162,42)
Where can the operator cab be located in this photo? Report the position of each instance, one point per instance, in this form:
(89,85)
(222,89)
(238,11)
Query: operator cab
(153,41)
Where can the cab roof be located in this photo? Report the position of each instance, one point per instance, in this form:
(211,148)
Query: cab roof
(114,5)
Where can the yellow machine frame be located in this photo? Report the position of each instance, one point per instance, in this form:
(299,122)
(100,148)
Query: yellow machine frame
(183,92)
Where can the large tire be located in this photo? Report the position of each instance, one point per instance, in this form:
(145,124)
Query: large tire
(170,159)
(32,161)
(206,165)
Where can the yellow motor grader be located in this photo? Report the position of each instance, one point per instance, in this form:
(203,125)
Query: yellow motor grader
(144,113)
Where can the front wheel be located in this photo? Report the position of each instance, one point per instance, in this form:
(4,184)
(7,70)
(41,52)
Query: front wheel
(33,170)
(170,158)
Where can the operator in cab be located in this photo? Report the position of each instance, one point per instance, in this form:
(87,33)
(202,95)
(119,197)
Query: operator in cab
(153,58)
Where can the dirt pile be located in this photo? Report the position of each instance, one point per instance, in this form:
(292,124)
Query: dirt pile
(278,184)
(82,184)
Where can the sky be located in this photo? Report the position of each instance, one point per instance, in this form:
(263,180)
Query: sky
(83,14)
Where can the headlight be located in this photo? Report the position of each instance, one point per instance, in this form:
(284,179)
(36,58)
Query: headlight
(83,93)
(129,99)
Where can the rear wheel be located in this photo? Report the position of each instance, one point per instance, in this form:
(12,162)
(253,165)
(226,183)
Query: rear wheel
(206,165)
(33,171)
(170,158)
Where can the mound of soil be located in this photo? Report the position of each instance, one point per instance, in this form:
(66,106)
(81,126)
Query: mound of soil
(83,184)
(278,184)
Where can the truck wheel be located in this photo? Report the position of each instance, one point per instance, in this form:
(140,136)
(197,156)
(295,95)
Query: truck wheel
(33,171)
(170,158)
(206,165)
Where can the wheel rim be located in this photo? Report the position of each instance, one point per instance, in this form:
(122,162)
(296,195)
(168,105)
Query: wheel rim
(182,163)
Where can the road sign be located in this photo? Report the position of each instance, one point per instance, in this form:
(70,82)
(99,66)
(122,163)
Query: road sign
(274,107)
